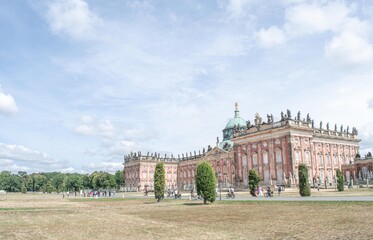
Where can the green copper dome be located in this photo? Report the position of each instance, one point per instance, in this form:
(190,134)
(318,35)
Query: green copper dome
(237,120)
(228,130)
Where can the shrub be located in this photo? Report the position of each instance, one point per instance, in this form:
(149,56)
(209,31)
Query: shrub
(159,181)
(340,180)
(206,182)
(254,180)
(304,186)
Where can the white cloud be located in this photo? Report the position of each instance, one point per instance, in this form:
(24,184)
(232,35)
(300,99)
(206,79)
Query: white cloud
(105,166)
(271,36)
(349,43)
(86,119)
(24,154)
(68,170)
(370,103)
(7,104)
(72,18)
(84,129)
(237,7)
(315,18)
(106,128)
(20,158)
(366,133)
(118,148)
(227,45)
(349,48)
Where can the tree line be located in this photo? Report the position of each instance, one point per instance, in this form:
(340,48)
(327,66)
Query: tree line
(59,182)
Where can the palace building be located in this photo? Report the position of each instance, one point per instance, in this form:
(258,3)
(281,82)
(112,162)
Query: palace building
(273,148)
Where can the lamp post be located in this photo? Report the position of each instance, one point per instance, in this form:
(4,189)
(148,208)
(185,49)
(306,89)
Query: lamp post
(219,175)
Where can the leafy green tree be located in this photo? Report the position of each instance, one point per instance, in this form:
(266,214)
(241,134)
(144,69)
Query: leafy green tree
(254,180)
(10,182)
(159,181)
(73,182)
(206,182)
(58,182)
(119,178)
(304,186)
(40,182)
(103,180)
(340,180)
(49,187)
(86,181)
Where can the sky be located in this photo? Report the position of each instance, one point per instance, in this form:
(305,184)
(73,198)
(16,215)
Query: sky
(84,82)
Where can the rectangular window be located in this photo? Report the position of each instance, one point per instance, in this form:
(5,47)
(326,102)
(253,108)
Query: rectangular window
(297,157)
(308,158)
(265,158)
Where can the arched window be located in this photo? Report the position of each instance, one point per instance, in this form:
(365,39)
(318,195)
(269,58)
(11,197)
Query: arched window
(320,160)
(265,158)
(244,163)
(278,156)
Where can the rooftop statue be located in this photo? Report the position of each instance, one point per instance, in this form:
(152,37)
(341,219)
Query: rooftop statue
(335,127)
(348,129)
(320,124)
(327,126)
(282,116)
(269,118)
(248,124)
(298,116)
(313,123)
(341,128)
(354,131)
(258,119)
(288,113)
(308,118)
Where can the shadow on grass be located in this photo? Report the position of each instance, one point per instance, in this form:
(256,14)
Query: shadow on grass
(195,204)
(155,202)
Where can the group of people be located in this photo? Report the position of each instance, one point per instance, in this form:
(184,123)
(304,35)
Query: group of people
(91,193)
(268,191)
(173,193)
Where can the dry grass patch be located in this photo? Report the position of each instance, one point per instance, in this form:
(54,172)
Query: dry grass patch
(57,218)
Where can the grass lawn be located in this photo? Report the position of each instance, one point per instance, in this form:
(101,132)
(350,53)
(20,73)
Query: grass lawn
(51,217)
